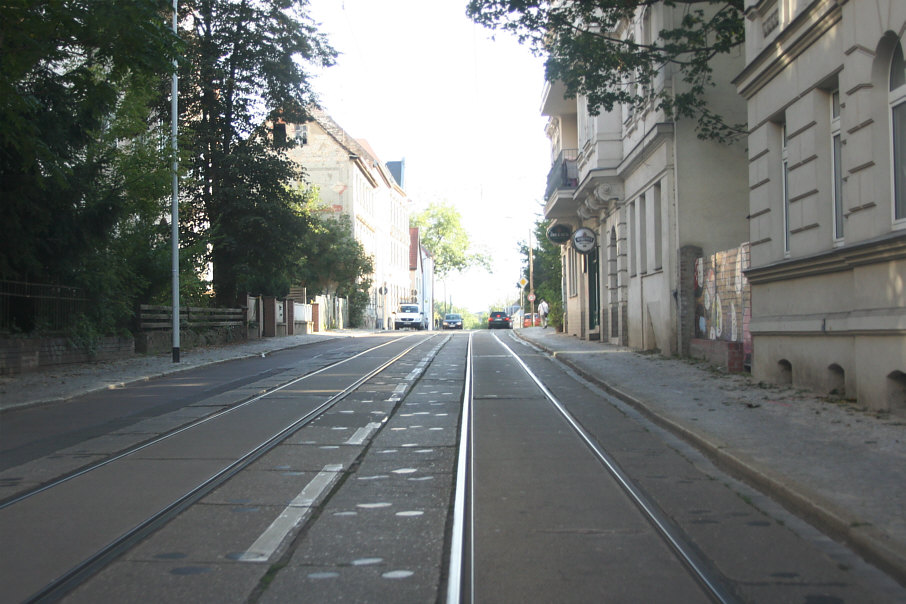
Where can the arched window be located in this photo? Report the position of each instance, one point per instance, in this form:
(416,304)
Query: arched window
(897,98)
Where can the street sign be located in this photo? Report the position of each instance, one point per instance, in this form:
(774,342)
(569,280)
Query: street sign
(584,240)
(531,297)
(523,282)
(559,233)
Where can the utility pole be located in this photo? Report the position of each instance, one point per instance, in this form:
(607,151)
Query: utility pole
(531,272)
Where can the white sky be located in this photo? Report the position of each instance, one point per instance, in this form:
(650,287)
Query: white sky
(418,80)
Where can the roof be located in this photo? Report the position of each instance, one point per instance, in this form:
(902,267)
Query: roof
(358,149)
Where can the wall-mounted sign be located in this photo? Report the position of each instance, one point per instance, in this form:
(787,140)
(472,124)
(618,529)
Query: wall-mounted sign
(559,233)
(584,240)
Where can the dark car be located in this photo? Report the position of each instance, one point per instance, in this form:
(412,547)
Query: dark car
(500,320)
(451,321)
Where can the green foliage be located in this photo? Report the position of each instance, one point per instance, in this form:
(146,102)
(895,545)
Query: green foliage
(333,261)
(80,167)
(546,265)
(585,49)
(469,319)
(358,299)
(85,154)
(244,61)
(442,233)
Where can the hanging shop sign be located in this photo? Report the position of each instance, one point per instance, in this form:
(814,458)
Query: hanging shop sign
(584,240)
(559,234)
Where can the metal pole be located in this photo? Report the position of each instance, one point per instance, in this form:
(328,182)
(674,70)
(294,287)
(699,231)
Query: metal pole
(531,272)
(174,218)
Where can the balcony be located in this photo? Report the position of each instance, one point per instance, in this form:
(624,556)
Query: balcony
(564,173)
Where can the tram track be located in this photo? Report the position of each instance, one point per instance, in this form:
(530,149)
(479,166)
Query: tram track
(700,568)
(53,581)
(191,425)
(714,586)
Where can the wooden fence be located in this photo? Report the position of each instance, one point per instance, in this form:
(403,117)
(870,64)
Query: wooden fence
(152,317)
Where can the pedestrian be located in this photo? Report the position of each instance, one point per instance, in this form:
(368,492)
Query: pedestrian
(543,309)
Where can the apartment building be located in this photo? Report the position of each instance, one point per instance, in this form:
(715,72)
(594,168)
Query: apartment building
(353,181)
(644,198)
(825,87)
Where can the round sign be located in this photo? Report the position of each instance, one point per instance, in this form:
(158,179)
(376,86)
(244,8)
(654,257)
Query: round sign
(584,240)
(559,233)
(531,297)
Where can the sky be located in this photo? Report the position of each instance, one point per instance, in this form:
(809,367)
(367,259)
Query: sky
(419,81)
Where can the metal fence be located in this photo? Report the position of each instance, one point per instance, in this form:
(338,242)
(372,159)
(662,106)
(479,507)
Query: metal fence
(28,307)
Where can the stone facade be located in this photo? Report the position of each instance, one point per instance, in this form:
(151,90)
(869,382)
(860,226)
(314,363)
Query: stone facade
(353,181)
(825,87)
(648,187)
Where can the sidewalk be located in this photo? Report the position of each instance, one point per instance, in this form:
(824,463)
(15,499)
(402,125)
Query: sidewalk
(841,468)
(67,381)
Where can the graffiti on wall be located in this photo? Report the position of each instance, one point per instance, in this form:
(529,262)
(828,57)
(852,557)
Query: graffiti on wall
(723,299)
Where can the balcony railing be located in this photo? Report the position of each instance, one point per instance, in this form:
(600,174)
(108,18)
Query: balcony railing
(564,173)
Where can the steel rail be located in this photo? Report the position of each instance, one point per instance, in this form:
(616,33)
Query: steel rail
(699,568)
(463,478)
(63,584)
(176,431)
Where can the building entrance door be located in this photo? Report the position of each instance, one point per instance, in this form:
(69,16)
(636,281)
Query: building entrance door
(594,290)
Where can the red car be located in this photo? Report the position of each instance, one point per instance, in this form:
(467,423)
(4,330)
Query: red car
(531,320)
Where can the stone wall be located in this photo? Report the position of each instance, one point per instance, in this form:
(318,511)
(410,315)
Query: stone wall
(21,355)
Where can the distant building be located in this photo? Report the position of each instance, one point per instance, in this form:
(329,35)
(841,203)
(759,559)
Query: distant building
(825,85)
(353,181)
(654,198)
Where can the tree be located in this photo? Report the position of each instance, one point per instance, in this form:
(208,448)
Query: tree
(82,171)
(334,262)
(587,51)
(442,233)
(245,70)
(64,69)
(546,268)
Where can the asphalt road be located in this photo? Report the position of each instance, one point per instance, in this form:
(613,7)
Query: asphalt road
(353,498)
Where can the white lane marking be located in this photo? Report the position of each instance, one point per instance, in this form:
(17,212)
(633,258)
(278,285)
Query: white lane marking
(463,464)
(265,546)
(359,436)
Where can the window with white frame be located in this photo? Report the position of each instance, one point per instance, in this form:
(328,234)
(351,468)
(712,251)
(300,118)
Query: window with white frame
(573,263)
(897,99)
(656,234)
(836,160)
(643,234)
(633,253)
(784,159)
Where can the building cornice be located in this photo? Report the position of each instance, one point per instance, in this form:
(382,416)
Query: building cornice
(807,28)
(884,249)
(659,133)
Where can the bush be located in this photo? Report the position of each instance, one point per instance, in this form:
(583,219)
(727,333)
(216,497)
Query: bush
(555,316)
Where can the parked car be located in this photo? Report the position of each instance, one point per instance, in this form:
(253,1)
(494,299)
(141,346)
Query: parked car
(531,319)
(452,321)
(500,320)
(409,316)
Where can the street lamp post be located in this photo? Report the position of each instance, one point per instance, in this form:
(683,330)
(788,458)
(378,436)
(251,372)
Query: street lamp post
(174,218)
